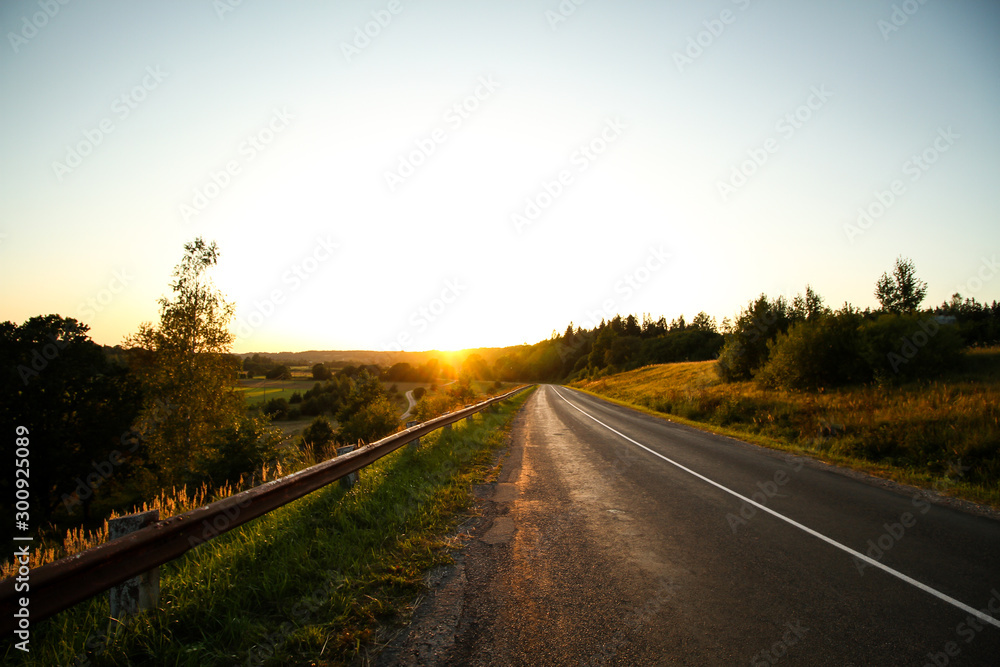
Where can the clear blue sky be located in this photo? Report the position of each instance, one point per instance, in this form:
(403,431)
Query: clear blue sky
(729,147)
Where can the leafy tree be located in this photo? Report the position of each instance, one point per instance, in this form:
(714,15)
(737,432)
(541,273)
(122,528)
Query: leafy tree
(825,351)
(318,434)
(239,448)
(902,292)
(184,362)
(745,349)
(702,322)
(909,347)
(375,419)
(276,408)
(632,326)
(77,407)
(280,372)
(321,372)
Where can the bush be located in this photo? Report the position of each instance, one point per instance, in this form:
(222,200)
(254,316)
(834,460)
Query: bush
(909,347)
(311,407)
(746,347)
(241,449)
(375,420)
(319,433)
(822,352)
(276,408)
(279,373)
(418,393)
(296,398)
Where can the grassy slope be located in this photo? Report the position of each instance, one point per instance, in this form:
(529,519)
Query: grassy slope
(916,433)
(314,582)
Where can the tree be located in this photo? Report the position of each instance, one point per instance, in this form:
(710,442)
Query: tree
(367,414)
(183,362)
(808,307)
(321,372)
(77,406)
(702,322)
(902,292)
(318,434)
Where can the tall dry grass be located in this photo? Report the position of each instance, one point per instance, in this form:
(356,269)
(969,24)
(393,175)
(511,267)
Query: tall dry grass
(169,503)
(935,430)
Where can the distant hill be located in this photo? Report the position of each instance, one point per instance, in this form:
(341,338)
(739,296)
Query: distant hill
(381,357)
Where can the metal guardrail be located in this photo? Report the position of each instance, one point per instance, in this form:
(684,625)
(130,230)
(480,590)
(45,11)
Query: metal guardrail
(68,581)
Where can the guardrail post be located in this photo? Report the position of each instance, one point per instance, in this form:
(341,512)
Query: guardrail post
(413,444)
(468,420)
(350,479)
(138,593)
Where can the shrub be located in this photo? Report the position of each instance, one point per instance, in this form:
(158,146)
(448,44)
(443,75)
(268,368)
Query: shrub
(319,433)
(418,393)
(375,420)
(311,407)
(908,347)
(241,449)
(276,408)
(822,352)
(746,346)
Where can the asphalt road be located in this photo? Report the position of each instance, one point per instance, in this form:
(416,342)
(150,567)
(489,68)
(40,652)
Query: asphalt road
(614,537)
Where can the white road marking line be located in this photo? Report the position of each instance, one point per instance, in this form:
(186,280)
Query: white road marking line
(986,618)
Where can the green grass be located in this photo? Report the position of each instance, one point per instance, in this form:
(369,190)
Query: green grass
(260,391)
(315,582)
(916,433)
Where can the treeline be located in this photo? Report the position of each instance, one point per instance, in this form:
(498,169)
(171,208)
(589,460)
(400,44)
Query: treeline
(797,344)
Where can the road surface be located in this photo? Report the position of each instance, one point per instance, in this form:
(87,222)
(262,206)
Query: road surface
(614,537)
(409,409)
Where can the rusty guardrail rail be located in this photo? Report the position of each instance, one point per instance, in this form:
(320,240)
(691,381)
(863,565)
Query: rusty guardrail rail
(68,581)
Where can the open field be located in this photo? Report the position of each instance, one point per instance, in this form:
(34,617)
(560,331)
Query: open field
(326,575)
(944,434)
(259,391)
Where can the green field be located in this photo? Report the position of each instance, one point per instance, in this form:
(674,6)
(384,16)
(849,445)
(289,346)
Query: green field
(260,391)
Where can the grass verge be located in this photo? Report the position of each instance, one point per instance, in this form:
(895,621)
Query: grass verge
(943,434)
(314,582)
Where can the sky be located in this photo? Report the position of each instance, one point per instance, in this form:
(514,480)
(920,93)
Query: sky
(441,175)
